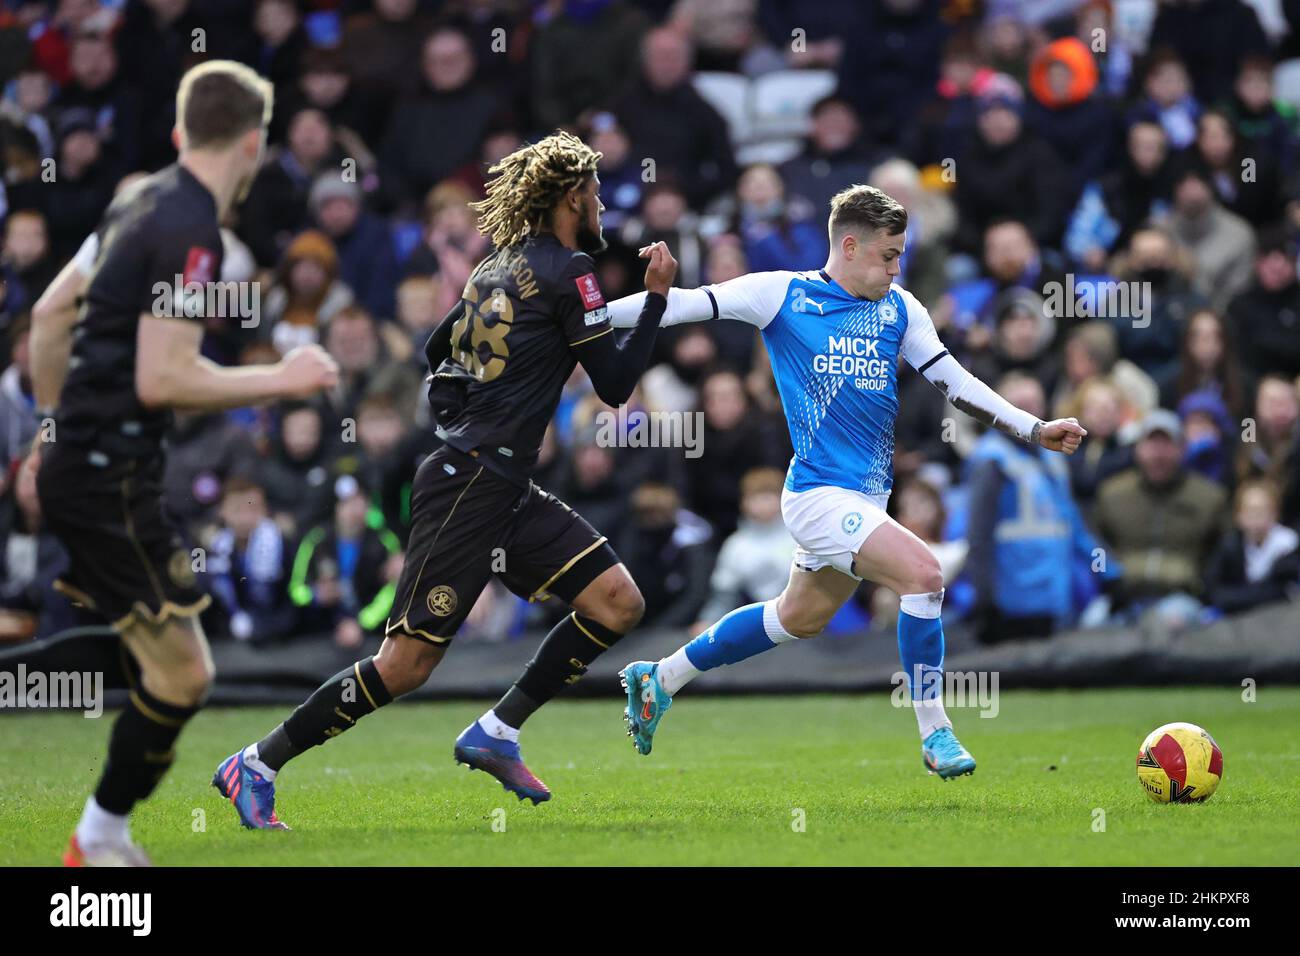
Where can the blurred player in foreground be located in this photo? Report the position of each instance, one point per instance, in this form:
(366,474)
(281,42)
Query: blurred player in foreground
(835,337)
(529,313)
(144,276)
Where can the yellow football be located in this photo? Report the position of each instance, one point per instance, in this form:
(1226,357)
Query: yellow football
(1179,763)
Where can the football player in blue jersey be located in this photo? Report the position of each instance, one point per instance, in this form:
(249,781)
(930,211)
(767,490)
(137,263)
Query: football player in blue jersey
(835,337)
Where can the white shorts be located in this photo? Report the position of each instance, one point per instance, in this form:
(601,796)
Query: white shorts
(830,524)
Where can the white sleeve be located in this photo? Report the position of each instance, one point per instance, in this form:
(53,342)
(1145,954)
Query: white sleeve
(755,298)
(920,342)
(684,305)
(85,256)
(925,353)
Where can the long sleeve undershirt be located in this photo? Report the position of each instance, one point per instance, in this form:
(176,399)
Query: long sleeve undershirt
(758,297)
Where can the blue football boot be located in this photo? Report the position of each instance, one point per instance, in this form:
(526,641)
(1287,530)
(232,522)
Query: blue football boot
(943,754)
(479,750)
(252,794)
(646,703)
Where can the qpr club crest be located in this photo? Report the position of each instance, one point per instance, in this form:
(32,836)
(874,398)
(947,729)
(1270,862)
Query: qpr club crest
(441,600)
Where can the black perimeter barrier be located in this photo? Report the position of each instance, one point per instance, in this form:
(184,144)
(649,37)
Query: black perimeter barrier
(1262,645)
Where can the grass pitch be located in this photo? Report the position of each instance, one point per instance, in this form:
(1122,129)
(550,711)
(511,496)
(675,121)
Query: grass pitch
(749,781)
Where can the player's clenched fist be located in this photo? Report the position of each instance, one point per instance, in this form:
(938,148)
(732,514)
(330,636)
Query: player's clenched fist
(661,271)
(1064,435)
(307,370)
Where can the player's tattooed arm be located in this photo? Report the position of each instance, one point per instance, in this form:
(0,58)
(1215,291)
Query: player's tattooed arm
(924,351)
(968,394)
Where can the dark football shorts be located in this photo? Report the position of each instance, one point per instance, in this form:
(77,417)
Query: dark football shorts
(128,559)
(468,524)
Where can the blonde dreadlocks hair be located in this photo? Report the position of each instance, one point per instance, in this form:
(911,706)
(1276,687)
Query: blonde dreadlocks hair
(529,182)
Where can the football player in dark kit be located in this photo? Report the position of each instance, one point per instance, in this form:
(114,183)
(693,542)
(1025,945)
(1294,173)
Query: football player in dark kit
(117,365)
(529,312)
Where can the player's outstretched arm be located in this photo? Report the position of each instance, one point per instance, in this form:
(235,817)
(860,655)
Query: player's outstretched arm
(682,305)
(968,394)
(755,298)
(170,372)
(925,352)
(614,368)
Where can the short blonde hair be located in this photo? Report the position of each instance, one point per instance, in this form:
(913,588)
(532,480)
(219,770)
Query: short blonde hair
(219,101)
(865,209)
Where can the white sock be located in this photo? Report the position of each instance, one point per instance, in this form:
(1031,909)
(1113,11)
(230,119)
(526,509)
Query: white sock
(494,726)
(676,671)
(98,826)
(251,758)
(776,632)
(930,715)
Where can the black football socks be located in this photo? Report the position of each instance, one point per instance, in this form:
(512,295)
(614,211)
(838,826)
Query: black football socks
(140,750)
(561,660)
(334,707)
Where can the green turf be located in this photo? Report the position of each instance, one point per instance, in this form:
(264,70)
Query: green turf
(728,780)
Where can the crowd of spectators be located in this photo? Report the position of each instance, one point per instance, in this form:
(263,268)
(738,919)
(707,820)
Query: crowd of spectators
(1105,207)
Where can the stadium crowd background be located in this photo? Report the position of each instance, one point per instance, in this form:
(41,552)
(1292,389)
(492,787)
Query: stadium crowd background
(1039,146)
